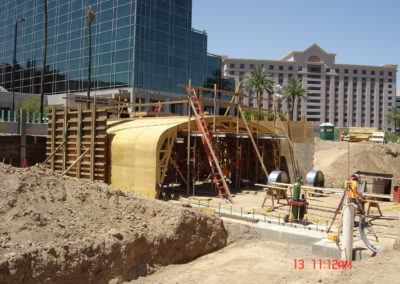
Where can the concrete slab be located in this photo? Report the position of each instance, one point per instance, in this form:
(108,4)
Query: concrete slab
(264,227)
(282,233)
(326,248)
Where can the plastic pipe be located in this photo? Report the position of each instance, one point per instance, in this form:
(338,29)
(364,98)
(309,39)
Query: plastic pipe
(347,235)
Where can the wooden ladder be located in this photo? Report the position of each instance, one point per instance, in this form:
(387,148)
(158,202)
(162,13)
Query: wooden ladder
(220,183)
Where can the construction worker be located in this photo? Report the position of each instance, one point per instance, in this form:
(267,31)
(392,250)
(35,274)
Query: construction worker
(353,190)
(341,136)
(350,186)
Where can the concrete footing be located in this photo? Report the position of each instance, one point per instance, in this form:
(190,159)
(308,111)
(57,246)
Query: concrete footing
(285,233)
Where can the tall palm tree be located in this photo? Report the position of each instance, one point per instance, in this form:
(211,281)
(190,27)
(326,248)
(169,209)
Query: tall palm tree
(294,91)
(394,117)
(259,82)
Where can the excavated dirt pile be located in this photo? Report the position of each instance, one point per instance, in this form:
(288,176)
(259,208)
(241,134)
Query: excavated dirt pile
(55,229)
(332,159)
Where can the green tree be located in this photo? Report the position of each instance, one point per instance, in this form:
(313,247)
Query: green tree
(294,91)
(259,82)
(32,104)
(394,117)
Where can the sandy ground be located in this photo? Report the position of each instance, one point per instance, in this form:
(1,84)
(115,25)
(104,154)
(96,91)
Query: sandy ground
(273,262)
(339,159)
(258,261)
(55,229)
(254,260)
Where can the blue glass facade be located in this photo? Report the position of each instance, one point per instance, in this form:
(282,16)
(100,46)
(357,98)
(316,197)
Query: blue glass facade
(147,44)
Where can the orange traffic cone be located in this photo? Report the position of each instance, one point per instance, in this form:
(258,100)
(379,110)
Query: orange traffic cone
(25,163)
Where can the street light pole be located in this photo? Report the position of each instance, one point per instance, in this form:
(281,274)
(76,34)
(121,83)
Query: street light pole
(44,56)
(14,62)
(89,19)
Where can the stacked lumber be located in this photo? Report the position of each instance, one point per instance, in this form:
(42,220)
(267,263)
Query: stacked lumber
(357,134)
(77,142)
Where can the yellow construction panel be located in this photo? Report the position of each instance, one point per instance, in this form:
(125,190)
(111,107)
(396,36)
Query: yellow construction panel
(134,148)
(135,163)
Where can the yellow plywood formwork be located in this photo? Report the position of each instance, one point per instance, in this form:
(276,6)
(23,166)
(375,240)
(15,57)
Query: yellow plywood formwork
(140,154)
(73,131)
(357,134)
(140,149)
(302,138)
(134,153)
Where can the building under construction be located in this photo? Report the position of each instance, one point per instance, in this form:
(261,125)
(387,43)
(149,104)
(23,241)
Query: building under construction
(153,152)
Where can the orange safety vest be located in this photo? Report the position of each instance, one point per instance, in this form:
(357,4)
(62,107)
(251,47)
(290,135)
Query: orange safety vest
(351,187)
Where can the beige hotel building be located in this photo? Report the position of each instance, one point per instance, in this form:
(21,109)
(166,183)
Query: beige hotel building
(343,94)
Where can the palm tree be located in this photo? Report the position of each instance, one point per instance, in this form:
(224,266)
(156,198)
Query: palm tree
(394,117)
(259,82)
(294,90)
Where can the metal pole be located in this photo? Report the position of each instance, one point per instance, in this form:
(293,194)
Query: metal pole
(14,62)
(44,61)
(89,19)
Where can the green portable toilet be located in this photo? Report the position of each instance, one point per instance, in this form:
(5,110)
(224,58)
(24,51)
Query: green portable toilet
(327,131)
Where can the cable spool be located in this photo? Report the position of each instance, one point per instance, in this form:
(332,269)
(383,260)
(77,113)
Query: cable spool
(278,176)
(316,179)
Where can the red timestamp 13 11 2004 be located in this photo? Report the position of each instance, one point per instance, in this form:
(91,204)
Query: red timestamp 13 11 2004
(323,264)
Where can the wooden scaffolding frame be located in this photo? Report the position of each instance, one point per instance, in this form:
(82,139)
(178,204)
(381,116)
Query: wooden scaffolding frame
(77,142)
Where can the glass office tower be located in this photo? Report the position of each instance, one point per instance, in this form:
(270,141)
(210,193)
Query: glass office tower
(144,44)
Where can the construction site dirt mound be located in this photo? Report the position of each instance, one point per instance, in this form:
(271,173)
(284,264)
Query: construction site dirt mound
(56,229)
(339,159)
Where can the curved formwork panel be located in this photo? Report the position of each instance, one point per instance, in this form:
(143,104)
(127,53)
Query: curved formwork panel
(134,153)
(140,149)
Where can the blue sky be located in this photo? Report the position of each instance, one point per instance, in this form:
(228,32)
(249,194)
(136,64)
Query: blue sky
(362,32)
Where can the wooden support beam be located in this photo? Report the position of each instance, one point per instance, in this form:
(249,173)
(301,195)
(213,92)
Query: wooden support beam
(22,130)
(52,154)
(253,142)
(231,104)
(332,190)
(166,156)
(215,107)
(79,140)
(53,134)
(189,110)
(119,103)
(93,141)
(179,171)
(65,138)
(76,161)
(229,93)
(149,104)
